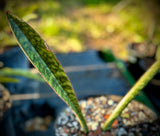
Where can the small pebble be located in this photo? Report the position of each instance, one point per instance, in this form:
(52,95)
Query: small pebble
(94,126)
(110,102)
(69,124)
(122,132)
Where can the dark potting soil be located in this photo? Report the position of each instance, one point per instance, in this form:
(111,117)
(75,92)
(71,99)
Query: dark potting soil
(135,120)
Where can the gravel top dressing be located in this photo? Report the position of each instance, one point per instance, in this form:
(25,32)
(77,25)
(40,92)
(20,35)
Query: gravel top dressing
(135,120)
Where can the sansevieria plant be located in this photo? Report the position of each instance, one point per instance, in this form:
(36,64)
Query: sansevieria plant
(37,51)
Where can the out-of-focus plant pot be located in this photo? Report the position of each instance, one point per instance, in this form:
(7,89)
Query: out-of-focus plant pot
(6,123)
(141,50)
(136,119)
(34,119)
(13,57)
(145,56)
(153,88)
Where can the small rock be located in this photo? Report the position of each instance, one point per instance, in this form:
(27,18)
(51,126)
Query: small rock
(83,104)
(69,125)
(122,132)
(141,115)
(94,126)
(110,102)
(62,120)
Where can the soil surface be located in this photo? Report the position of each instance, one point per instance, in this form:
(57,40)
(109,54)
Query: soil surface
(135,120)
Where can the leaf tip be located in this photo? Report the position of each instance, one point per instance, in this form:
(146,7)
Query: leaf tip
(9,14)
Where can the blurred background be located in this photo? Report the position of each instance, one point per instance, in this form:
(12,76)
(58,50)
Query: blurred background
(78,25)
(84,35)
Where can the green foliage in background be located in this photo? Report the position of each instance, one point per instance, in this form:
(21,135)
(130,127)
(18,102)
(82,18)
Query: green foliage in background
(21,10)
(5,74)
(77,25)
(4,79)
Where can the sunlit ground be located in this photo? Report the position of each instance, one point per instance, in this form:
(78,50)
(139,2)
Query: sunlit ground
(78,25)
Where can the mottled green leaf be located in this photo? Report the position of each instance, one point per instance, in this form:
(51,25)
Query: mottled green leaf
(20,72)
(44,60)
(4,79)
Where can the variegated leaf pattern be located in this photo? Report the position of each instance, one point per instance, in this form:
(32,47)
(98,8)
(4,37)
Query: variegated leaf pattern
(45,61)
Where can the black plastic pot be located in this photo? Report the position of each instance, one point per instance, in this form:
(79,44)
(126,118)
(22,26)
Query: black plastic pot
(6,125)
(153,88)
(143,60)
(30,111)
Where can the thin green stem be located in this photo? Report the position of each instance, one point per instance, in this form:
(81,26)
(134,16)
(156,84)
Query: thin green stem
(140,84)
